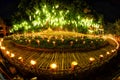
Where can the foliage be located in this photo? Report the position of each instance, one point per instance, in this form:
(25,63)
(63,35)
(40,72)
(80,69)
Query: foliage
(36,15)
(64,43)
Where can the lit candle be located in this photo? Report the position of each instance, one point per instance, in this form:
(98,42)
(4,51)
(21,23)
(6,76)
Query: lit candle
(76,40)
(56,37)
(71,43)
(29,41)
(48,40)
(73,64)
(83,42)
(53,66)
(20,58)
(91,42)
(108,53)
(62,40)
(38,41)
(12,55)
(91,59)
(101,57)
(33,62)
(54,43)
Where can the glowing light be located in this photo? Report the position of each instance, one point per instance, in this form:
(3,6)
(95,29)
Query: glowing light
(12,55)
(101,56)
(56,6)
(112,50)
(0,44)
(71,43)
(74,63)
(3,48)
(2,40)
(38,41)
(51,17)
(54,42)
(108,53)
(19,58)
(33,62)
(53,66)
(48,40)
(92,59)
(7,52)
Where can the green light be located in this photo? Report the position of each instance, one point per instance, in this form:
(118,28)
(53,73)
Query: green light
(47,16)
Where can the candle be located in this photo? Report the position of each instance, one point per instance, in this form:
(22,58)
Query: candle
(91,59)
(38,41)
(71,43)
(54,43)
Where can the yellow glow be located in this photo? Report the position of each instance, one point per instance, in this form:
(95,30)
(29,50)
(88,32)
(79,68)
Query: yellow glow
(7,52)
(101,56)
(19,58)
(3,48)
(33,62)
(92,59)
(38,41)
(1,39)
(112,50)
(0,44)
(108,53)
(74,63)
(53,66)
(12,55)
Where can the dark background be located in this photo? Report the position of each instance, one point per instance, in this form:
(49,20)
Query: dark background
(109,8)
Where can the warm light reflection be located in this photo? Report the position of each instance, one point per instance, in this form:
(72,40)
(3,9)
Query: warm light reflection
(53,66)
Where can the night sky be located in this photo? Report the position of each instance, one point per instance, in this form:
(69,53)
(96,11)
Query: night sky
(109,8)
